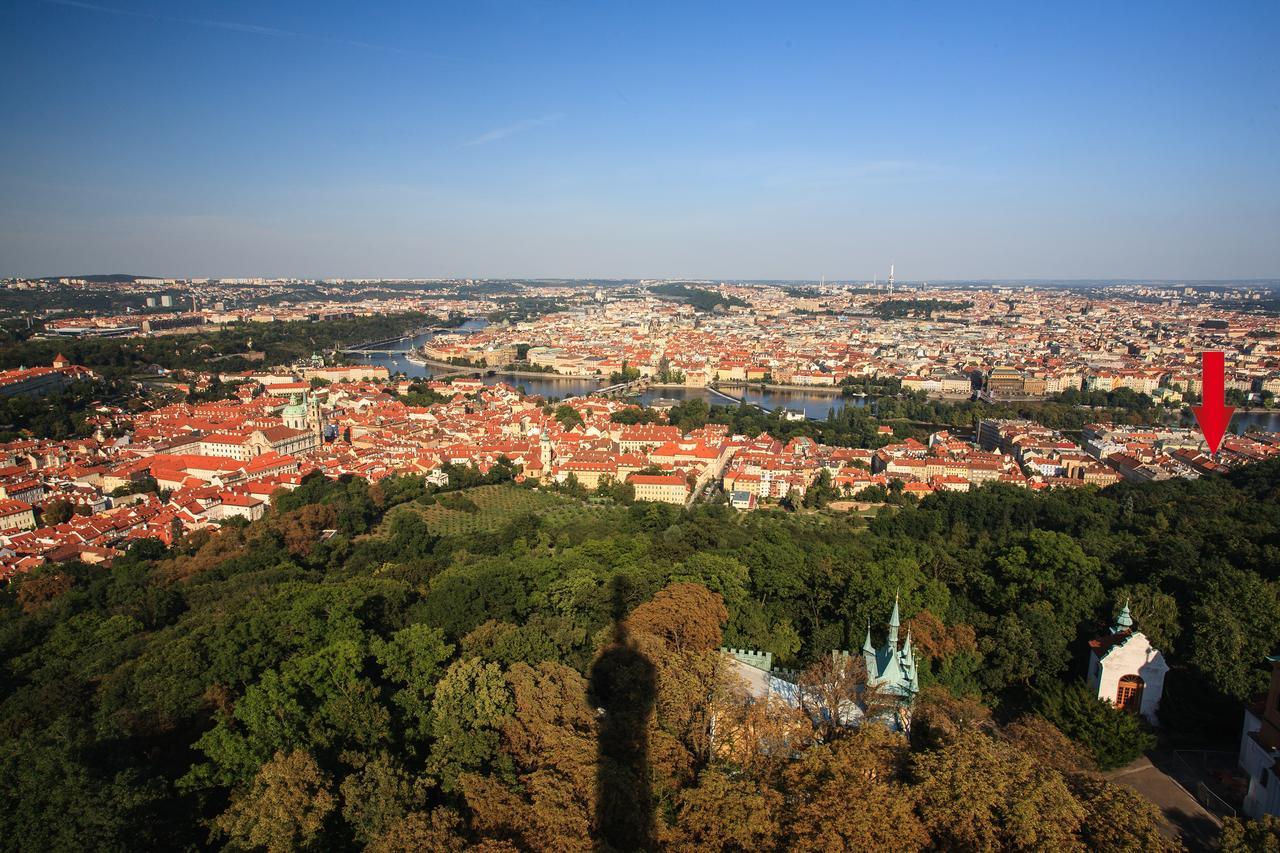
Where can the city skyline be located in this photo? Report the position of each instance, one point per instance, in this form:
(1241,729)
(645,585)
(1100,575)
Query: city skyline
(505,141)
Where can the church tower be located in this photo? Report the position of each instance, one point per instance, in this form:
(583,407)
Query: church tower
(890,667)
(315,419)
(544,451)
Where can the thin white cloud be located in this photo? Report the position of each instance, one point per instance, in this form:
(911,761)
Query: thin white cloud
(512,129)
(238,27)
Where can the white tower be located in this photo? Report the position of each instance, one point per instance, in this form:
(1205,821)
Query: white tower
(891,276)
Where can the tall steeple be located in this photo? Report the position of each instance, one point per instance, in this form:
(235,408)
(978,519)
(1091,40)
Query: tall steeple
(867,648)
(315,418)
(893,624)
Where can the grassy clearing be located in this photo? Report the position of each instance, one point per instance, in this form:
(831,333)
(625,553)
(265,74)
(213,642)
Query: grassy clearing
(491,508)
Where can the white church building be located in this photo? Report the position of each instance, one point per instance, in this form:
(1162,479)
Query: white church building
(1126,670)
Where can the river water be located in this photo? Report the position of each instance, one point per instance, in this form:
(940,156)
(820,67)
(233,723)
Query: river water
(815,405)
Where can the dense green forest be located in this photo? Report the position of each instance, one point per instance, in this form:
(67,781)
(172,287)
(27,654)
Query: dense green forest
(428,676)
(62,414)
(698,297)
(895,308)
(220,348)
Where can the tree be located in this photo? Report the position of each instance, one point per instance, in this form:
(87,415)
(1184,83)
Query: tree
(850,796)
(411,658)
(820,492)
(1114,737)
(725,576)
(690,414)
(546,799)
(301,529)
(1236,625)
(835,692)
(378,795)
(57,512)
(1045,742)
(438,830)
(471,703)
(1154,612)
(314,702)
(724,812)
(626,374)
(568,416)
(1120,820)
(1251,836)
(283,809)
(685,616)
(941,718)
(39,589)
(977,794)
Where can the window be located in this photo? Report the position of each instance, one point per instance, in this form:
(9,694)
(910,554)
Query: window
(1129,694)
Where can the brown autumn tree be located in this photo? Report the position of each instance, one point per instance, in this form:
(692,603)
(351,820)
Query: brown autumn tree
(301,528)
(689,687)
(759,735)
(1251,836)
(35,591)
(932,638)
(1118,819)
(1045,742)
(724,812)
(284,808)
(216,549)
(938,717)
(440,830)
(547,799)
(850,796)
(977,793)
(687,617)
(678,633)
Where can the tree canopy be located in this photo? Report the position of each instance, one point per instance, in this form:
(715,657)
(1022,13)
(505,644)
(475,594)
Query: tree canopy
(399,682)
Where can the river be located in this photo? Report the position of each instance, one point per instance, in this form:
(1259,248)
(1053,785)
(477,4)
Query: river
(815,406)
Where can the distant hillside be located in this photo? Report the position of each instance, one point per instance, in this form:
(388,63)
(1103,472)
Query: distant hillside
(109,278)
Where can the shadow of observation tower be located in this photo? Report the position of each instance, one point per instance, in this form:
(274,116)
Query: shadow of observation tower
(623,684)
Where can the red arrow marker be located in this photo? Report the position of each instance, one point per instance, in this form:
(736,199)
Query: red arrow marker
(1213,413)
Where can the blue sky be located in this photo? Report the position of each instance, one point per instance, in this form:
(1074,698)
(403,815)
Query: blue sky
(771,140)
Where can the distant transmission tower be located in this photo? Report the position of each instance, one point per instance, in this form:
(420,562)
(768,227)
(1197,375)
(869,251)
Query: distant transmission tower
(891,276)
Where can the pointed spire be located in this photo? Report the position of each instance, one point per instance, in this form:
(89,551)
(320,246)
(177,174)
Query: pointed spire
(867,648)
(1124,621)
(894,622)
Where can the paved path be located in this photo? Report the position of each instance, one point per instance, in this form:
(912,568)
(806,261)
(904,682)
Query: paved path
(1188,821)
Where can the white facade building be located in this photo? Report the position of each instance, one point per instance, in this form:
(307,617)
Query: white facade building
(1260,749)
(1126,670)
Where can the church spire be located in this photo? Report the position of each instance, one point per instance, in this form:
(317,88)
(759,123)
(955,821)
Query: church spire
(867,648)
(893,624)
(1124,621)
